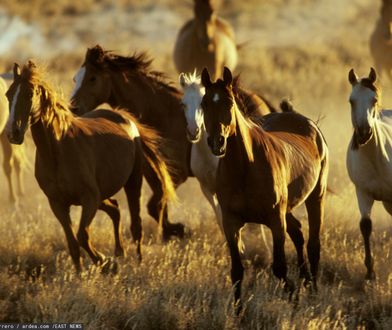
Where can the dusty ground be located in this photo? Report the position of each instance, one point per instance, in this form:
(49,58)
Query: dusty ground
(301,49)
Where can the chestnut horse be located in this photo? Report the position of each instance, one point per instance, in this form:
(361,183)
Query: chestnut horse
(205,41)
(264,172)
(14,157)
(369,154)
(83,160)
(381,40)
(129,83)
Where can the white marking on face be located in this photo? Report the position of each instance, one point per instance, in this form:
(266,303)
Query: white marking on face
(193,112)
(362,110)
(216,97)
(12,111)
(134,131)
(78,80)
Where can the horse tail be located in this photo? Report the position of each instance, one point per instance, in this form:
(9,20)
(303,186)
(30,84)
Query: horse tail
(286,106)
(150,142)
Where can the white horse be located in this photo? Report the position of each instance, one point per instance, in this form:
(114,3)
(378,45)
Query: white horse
(369,156)
(204,164)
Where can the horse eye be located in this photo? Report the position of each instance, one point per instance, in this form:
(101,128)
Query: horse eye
(93,79)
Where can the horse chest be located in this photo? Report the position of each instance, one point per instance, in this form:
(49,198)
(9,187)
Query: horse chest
(369,175)
(204,166)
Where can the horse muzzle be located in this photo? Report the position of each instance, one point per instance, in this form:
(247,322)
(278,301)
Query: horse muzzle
(217,146)
(193,137)
(15,137)
(363,135)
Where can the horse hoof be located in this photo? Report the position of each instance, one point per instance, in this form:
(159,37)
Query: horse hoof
(289,286)
(119,253)
(174,229)
(370,276)
(109,266)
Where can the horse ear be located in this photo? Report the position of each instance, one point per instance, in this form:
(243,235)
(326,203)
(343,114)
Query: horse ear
(205,78)
(182,80)
(227,76)
(16,71)
(352,77)
(95,54)
(372,75)
(31,64)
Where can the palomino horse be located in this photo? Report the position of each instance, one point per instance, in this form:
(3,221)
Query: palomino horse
(205,41)
(381,40)
(263,174)
(14,157)
(129,83)
(369,154)
(83,161)
(203,163)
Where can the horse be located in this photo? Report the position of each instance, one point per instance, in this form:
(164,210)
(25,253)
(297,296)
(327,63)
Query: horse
(381,41)
(369,154)
(129,83)
(205,41)
(264,172)
(203,163)
(14,157)
(84,160)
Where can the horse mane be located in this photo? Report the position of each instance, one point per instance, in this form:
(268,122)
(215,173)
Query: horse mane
(48,105)
(138,62)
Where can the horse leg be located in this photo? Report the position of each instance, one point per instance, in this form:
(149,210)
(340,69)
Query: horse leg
(278,228)
(19,159)
(232,228)
(295,233)
(7,166)
(133,190)
(365,203)
(157,206)
(110,207)
(89,209)
(213,200)
(62,214)
(315,208)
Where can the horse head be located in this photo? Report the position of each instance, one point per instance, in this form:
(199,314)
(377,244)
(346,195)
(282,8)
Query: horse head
(364,100)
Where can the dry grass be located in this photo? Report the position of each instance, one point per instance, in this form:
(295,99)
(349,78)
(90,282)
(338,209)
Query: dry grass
(302,49)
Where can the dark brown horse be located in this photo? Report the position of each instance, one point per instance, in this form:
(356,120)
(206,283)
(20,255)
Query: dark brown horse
(263,174)
(83,160)
(381,41)
(205,41)
(129,83)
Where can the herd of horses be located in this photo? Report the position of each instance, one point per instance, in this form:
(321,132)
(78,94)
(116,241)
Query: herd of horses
(254,163)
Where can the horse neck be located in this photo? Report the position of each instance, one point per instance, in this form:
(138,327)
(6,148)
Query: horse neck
(241,133)
(50,121)
(141,97)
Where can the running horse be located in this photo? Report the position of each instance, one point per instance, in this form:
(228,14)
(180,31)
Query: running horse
(14,157)
(129,83)
(203,163)
(83,160)
(381,41)
(264,172)
(205,41)
(369,154)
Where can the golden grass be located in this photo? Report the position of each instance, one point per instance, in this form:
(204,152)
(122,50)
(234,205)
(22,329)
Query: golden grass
(186,284)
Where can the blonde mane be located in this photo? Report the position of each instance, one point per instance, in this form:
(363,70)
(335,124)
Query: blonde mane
(48,106)
(245,128)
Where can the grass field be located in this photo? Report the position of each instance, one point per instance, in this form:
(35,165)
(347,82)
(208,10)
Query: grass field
(301,49)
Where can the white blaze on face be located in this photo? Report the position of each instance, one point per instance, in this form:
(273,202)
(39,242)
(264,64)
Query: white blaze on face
(193,113)
(12,111)
(363,104)
(216,97)
(78,80)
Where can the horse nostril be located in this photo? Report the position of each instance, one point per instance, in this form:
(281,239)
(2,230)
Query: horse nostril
(197,131)
(221,140)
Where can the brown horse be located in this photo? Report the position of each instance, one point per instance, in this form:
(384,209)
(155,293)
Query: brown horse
(263,174)
(14,157)
(205,41)
(381,41)
(83,160)
(129,83)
